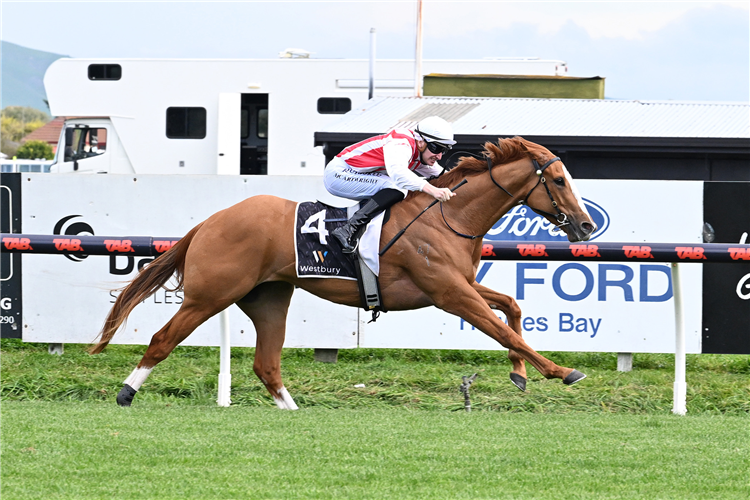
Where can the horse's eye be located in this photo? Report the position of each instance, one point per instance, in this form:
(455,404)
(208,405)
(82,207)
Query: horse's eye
(560,181)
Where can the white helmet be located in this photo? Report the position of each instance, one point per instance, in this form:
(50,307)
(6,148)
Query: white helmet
(436,130)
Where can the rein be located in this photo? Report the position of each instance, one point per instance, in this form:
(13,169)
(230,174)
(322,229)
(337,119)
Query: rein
(560,217)
(400,233)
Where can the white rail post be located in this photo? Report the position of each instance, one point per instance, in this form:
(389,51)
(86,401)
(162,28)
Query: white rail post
(225,372)
(680,384)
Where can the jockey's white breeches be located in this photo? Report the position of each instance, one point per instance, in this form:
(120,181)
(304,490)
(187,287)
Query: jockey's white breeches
(342,180)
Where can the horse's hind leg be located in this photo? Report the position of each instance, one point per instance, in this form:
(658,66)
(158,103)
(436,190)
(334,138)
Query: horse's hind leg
(512,311)
(191,315)
(267,305)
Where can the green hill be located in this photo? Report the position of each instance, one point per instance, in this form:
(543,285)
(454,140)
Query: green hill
(23,76)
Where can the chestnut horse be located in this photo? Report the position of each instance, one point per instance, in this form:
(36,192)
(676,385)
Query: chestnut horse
(256,266)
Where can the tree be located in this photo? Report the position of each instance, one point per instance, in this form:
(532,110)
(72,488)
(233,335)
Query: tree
(12,129)
(18,122)
(25,114)
(35,149)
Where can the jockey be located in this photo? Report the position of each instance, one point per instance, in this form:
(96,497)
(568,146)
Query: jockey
(382,168)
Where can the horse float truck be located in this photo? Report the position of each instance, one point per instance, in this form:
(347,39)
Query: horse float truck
(250,116)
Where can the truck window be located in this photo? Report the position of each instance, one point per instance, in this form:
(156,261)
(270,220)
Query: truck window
(105,72)
(244,123)
(84,142)
(263,123)
(186,123)
(334,105)
(261,118)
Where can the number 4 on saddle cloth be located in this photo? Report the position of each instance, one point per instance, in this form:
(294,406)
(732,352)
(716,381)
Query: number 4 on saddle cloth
(319,256)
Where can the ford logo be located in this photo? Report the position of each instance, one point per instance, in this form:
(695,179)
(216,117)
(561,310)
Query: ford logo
(523,224)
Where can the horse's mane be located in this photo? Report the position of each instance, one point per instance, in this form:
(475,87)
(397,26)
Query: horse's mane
(505,151)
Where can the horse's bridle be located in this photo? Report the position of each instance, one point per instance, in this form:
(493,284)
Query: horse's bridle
(560,217)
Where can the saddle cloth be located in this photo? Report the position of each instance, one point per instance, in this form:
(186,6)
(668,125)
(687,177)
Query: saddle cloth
(318,255)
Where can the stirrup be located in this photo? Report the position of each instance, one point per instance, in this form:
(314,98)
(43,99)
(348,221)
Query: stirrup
(353,250)
(346,247)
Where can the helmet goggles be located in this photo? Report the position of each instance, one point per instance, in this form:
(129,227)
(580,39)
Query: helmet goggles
(437,148)
(433,144)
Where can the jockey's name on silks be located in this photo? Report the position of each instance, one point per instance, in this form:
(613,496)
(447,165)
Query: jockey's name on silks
(389,161)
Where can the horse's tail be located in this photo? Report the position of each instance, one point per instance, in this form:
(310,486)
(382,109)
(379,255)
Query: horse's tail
(150,279)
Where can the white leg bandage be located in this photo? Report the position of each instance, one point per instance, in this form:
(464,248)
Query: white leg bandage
(285,401)
(136,379)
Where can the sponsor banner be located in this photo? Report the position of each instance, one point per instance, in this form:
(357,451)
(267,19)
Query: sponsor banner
(11,310)
(67,296)
(82,246)
(726,289)
(580,306)
(624,252)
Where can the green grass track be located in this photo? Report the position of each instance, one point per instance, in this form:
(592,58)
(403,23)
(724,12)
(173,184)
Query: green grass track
(156,451)
(404,435)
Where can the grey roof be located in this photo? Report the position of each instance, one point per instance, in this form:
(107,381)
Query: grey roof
(554,117)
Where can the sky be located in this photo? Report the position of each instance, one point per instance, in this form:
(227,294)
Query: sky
(697,51)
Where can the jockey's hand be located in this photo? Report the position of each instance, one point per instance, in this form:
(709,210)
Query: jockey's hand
(440,194)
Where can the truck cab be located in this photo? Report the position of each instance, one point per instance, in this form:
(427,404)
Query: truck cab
(90,145)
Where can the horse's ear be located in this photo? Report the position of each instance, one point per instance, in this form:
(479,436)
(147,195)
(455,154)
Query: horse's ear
(522,144)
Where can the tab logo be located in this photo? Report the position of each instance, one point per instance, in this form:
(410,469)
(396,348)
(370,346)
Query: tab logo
(739,253)
(17,243)
(532,250)
(637,252)
(584,250)
(66,227)
(162,246)
(119,246)
(68,244)
(487,250)
(693,253)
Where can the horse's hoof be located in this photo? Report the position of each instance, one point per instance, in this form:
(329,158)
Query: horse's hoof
(573,377)
(126,395)
(519,381)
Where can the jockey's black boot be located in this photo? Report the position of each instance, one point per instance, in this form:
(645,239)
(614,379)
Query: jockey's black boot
(348,234)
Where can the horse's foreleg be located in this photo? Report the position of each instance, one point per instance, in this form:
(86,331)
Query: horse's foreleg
(512,311)
(267,305)
(182,324)
(459,298)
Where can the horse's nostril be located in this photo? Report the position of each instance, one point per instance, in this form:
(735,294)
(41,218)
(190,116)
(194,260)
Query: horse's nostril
(588,228)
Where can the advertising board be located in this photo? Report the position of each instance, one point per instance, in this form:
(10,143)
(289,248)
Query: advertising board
(11,304)
(726,289)
(577,306)
(66,298)
(569,306)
